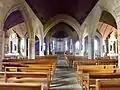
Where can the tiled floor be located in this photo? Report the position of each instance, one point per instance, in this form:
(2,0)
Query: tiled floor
(64,78)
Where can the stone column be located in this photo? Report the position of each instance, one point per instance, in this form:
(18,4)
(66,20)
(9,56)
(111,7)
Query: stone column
(101,47)
(68,43)
(90,48)
(31,49)
(9,45)
(2,38)
(80,46)
(48,48)
(47,45)
(113,47)
(119,49)
(23,47)
(19,46)
(40,47)
(116,49)
(41,50)
(73,47)
(109,46)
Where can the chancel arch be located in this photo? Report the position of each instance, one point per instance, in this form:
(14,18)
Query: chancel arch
(62,34)
(62,18)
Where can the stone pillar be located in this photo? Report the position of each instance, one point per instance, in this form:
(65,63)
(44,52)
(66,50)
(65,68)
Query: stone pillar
(109,46)
(41,50)
(113,47)
(23,47)
(116,47)
(2,38)
(48,47)
(80,46)
(19,46)
(9,45)
(31,48)
(90,48)
(68,43)
(101,47)
(73,47)
(119,49)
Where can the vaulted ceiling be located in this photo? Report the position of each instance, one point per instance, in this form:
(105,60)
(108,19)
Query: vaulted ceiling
(45,9)
(13,19)
(105,29)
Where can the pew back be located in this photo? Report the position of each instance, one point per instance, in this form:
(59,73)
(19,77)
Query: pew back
(20,86)
(108,84)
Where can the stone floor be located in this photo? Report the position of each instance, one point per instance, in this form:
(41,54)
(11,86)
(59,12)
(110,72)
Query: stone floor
(64,78)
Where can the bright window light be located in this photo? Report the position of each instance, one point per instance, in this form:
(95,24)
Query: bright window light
(95,44)
(66,47)
(77,45)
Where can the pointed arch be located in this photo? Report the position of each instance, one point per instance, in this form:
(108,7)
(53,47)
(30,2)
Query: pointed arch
(62,18)
(22,8)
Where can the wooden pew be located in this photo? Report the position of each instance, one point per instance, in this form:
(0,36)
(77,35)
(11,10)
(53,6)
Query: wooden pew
(40,63)
(27,69)
(29,61)
(83,62)
(94,62)
(46,57)
(94,68)
(107,62)
(50,66)
(19,76)
(30,69)
(84,71)
(100,75)
(23,63)
(43,64)
(21,86)
(108,84)
(72,58)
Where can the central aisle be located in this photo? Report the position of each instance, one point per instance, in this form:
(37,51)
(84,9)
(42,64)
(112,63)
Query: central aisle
(64,78)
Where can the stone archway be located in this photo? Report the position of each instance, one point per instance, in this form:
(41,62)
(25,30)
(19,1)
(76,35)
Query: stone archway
(23,9)
(6,10)
(27,14)
(18,8)
(62,18)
